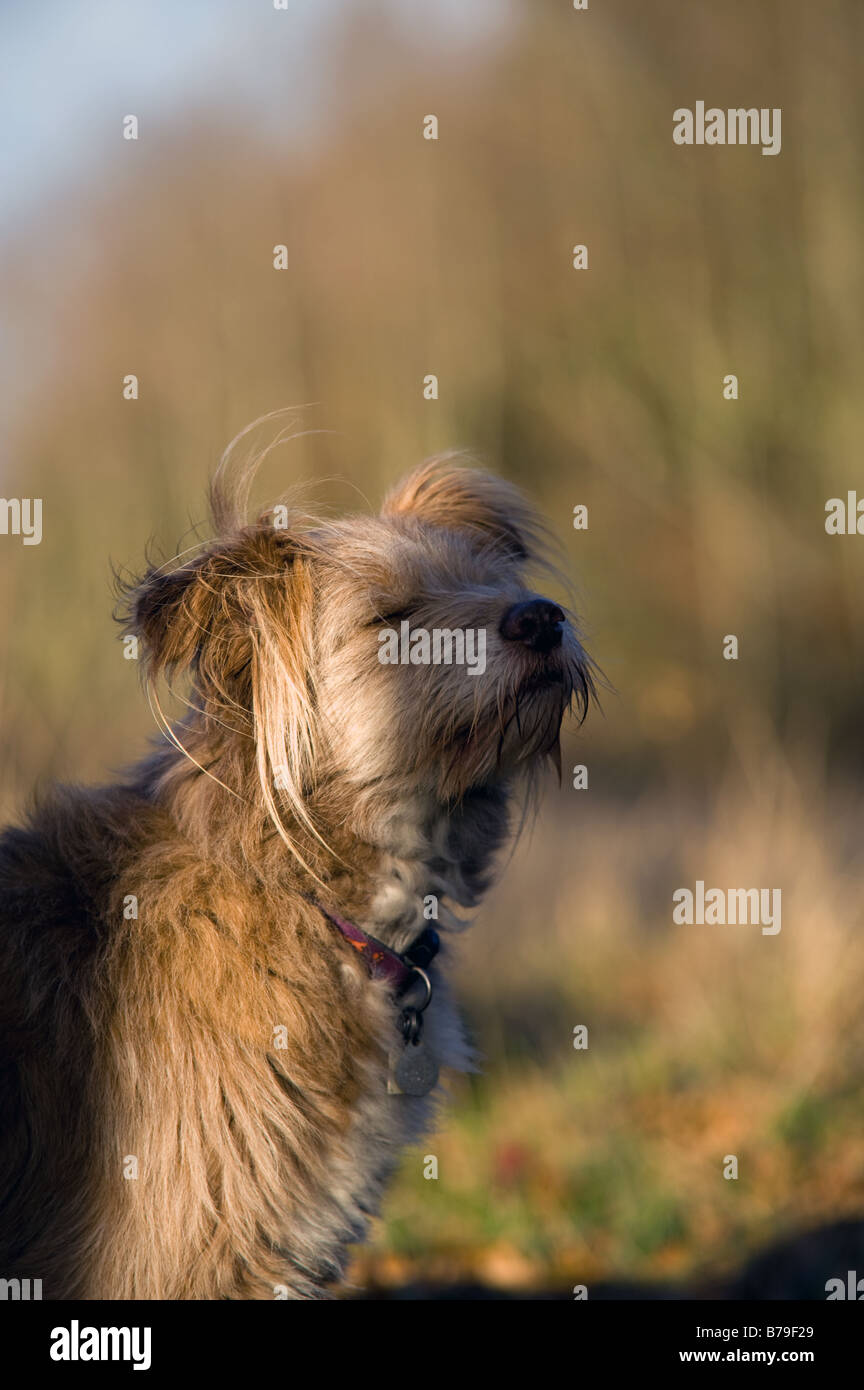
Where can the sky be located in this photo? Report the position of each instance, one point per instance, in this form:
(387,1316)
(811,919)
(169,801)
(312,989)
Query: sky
(71,69)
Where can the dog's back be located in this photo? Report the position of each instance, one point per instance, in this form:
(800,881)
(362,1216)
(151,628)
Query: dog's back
(52,875)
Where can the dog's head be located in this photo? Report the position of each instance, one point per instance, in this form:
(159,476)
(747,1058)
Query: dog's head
(437,660)
(400,652)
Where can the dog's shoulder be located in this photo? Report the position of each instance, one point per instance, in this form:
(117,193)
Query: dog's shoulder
(58,870)
(61,860)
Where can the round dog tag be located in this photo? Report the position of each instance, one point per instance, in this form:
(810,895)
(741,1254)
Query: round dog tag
(416,1072)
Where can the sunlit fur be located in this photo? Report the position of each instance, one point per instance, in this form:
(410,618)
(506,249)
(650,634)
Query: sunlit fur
(304,771)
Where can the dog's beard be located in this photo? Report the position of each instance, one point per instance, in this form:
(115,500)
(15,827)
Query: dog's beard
(521,726)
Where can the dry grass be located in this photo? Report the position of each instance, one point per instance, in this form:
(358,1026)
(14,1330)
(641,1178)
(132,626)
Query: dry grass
(704,1041)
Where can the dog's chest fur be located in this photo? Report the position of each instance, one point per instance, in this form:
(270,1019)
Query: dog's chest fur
(429,859)
(232,1098)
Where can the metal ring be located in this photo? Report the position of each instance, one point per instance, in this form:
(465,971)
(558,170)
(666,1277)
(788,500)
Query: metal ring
(418,970)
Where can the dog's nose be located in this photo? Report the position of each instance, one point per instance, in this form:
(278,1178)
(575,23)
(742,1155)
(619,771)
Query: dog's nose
(536,623)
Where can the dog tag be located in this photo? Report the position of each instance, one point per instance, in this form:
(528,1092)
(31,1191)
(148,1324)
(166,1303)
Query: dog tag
(415,1071)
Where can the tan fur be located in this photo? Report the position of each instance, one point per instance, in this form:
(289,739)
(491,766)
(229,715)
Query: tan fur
(304,772)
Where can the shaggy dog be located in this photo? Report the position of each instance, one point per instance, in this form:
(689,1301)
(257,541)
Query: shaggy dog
(221,1009)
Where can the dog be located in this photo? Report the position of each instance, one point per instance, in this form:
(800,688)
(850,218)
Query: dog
(223,1006)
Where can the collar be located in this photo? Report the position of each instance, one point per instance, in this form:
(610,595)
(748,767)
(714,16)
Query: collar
(382,963)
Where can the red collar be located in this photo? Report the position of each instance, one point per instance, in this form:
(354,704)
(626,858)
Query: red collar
(380,961)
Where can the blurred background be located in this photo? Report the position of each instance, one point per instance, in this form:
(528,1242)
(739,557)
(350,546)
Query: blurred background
(601,387)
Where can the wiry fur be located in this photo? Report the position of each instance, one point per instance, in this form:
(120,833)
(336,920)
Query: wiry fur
(305,771)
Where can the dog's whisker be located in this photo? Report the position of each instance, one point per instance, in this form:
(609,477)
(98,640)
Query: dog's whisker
(169,732)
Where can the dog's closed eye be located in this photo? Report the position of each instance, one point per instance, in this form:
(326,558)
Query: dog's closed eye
(388,618)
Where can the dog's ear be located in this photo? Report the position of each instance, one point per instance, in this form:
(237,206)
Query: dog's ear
(171,612)
(241,616)
(197,612)
(443,493)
